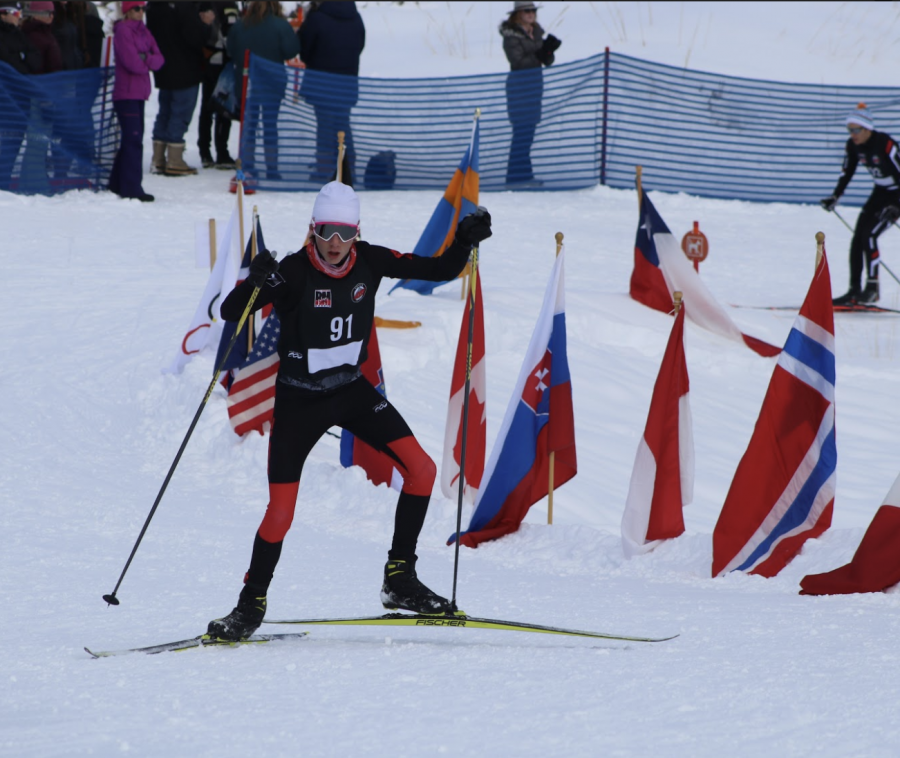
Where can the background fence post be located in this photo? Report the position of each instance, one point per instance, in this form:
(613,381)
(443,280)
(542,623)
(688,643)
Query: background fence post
(605,114)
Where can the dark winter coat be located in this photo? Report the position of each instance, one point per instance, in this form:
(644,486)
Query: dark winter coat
(332,37)
(271,38)
(16,50)
(309,303)
(41,36)
(181,36)
(66,34)
(93,33)
(522,50)
(137,54)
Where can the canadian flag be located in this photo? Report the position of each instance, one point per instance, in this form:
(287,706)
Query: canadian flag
(476,432)
(662,480)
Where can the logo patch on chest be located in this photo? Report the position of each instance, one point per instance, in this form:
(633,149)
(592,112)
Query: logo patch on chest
(323,299)
(358,292)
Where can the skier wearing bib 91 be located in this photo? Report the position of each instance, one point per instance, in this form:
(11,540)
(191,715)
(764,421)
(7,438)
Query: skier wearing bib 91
(324,296)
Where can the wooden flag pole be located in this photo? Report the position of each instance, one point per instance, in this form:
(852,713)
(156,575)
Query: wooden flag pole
(676,300)
(212,244)
(559,244)
(638,171)
(240,198)
(340,166)
(254,221)
(820,247)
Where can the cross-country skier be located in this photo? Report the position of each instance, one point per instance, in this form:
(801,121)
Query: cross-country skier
(324,296)
(879,154)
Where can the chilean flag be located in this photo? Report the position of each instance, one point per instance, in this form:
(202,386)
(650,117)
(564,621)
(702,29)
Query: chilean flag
(379,467)
(662,480)
(783,490)
(476,430)
(661,269)
(539,420)
(876,562)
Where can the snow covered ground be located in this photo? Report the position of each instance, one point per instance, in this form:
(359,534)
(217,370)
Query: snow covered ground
(96,295)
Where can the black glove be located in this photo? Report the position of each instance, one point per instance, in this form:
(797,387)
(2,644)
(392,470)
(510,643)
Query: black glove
(474,228)
(262,267)
(890,213)
(551,44)
(829,203)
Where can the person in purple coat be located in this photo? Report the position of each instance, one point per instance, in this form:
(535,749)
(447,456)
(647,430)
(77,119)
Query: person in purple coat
(137,54)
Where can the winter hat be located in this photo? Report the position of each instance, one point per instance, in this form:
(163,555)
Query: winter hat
(130,6)
(523,6)
(337,203)
(39,7)
(862,117)
(14,8)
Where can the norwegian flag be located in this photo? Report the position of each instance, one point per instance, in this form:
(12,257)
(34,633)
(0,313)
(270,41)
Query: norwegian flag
(251,397)
(539,421)
(782,493)
(662,481)
(476,431)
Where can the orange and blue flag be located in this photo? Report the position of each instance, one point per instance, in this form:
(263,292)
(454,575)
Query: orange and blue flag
(459,200)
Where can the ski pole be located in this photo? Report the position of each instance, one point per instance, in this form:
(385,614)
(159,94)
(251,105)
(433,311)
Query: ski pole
(111,598)
(880,262)
(465,424)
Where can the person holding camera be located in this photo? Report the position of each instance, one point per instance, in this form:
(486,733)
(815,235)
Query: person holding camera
(527,50)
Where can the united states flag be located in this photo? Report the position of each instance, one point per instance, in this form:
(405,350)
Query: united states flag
(252,394)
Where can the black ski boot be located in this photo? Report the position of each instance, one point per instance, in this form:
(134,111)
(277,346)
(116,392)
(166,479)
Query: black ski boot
(244,619)
(870,293)
(851,297)
(402,589)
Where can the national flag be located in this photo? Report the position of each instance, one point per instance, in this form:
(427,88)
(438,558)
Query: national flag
(783,490)
(206,325)
(251,396)
(379,467)
(239,353)
(476,430)
(661,269)
(876,562)
(539,421)
(662,480)
(459,200)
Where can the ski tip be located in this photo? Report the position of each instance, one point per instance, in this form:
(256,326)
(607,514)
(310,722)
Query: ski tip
(91,653)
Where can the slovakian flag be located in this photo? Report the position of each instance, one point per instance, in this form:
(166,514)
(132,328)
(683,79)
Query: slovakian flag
(240,352)
(251,396)
(539,421)
(476,429)
(206,324)
(662,480)
(876,564)
(379,467)
(782,493)
(661,269)
(459,200)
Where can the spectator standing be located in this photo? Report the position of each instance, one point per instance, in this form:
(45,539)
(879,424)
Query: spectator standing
(68,28)
(137,54)
(226,14)
(879,154)
(181,30)
(93,34)
(37,29)
(527,51)
(17,51)
(265,32)
(34,177)
(332,38)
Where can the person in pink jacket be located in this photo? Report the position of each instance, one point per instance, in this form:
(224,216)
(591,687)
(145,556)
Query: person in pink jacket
(137,54)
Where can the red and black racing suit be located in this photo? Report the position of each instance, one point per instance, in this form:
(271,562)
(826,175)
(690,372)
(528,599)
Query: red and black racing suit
(326,322)
(880,155)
